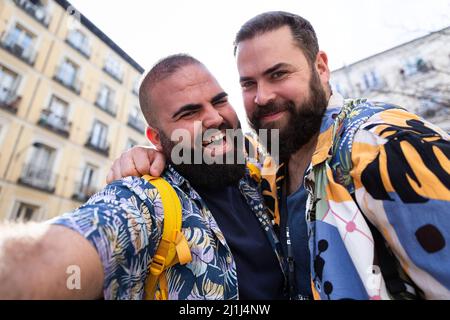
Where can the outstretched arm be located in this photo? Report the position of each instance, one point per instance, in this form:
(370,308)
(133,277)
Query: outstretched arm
(42,261)
(137,161)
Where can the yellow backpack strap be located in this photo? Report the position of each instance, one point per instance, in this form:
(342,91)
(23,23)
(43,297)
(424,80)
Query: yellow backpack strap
(173,247)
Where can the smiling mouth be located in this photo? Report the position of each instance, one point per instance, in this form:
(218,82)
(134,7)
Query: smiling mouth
(272,116)
(218,144)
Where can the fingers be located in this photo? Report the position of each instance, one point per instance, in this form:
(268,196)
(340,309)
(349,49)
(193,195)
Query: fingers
(143,158)
(137,161)
(158,164)
(127,165)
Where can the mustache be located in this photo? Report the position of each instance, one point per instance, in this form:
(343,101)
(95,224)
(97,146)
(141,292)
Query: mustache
(270,108)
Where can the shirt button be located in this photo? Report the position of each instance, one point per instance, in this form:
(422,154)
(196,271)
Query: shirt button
(229,260)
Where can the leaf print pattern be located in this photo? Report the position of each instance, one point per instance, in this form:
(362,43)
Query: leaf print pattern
(124,223)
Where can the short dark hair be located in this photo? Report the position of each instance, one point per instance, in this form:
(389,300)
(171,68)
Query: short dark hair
(161,70)
(302,31)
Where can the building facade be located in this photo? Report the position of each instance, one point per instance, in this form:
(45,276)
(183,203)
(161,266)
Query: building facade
(68,107)
(415,75)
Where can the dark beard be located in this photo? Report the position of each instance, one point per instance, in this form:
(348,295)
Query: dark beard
(303,123)
(203,175)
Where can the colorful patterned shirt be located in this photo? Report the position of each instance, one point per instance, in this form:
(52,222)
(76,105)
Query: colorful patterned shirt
(378,162)
(124,223)
(392,166)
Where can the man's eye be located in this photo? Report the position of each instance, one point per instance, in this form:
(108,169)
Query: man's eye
(278,74)
(188,114)
(247,84)
(221,102)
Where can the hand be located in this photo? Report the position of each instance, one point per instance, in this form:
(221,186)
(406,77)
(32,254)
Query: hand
(137,161)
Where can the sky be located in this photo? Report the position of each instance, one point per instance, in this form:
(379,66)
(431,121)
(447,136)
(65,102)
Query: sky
(348,30)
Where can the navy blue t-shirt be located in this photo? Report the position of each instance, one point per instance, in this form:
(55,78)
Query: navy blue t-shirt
(295,218)
(258,270)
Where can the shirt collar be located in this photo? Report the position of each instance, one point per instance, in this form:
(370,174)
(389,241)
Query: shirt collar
(324,141)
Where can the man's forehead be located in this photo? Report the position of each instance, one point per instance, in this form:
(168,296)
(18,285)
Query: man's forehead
(189,77)
(267,50)
(192,84)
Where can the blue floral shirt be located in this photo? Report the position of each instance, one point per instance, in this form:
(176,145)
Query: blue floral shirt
(124,224)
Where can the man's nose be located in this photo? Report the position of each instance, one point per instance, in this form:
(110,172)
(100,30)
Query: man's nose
(264,95)
(212,118)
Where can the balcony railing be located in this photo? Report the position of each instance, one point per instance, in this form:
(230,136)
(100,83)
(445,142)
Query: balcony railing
(74,85)
(83,192)
(136,123)
(84,50)
(39,13)
(55,123)
(38,178)
(116,76)
(102,147)
(108,107)
(9,101)
(27,55)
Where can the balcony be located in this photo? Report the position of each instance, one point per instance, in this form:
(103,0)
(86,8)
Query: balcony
(38,178)
(115,75)
(99,147)
(83,192)
(108,107)
(136,123)
(57,124)
(9,101)
(74,85)
(38,12)
(84,50)
(27,55)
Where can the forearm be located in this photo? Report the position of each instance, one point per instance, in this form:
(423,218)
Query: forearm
(37,261)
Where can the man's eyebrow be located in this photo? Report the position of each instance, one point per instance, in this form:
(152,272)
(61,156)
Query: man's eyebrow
(187,107)
(219,97)
(275,67)
(268,71)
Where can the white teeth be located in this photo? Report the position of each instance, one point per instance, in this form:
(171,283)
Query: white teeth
(214,139)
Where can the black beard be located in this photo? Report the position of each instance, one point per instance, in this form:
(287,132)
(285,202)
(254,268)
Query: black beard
(303,123)
(203,175)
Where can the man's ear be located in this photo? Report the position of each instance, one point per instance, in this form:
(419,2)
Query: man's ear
(322,67)
(153,136)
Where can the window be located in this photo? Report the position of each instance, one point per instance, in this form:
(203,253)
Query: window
(414,66)
(25,212)
(68,72)
(113,67)
(8,84)
(58,112)
(20,42)
(130,144)
(87,180)
(80,41)
(371,80)
(105,97)
(55,116)
(42,157)
(136,85)
(135,119)
(99,134)
(86,187)
(38,172)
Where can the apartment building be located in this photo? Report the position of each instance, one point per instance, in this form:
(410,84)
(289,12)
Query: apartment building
(68,107)
(415,75)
